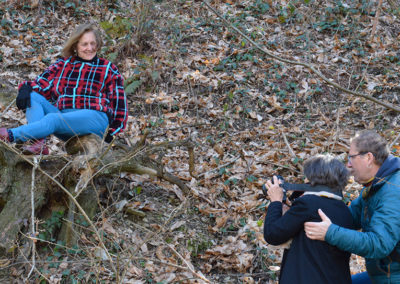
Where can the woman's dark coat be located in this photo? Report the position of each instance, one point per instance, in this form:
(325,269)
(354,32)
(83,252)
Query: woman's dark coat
(308,261)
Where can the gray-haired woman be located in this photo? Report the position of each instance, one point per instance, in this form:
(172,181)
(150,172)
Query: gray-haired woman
(308,261)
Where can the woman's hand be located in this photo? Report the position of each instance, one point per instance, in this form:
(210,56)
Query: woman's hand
(285,208)
(23,100)
(275,192)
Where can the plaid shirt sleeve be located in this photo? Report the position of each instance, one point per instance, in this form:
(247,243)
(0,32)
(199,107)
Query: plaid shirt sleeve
(118,110)
(43,84)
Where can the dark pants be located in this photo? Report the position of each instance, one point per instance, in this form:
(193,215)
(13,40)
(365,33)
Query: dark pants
(361,278)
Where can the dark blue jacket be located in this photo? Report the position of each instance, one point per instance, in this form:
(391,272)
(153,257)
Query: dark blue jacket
(308,261)
(378,216)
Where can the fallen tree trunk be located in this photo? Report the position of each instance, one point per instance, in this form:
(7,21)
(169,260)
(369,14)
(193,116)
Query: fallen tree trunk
(70,176)
(15,178)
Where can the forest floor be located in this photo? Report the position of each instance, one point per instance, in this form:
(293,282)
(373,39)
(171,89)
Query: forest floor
(187,75)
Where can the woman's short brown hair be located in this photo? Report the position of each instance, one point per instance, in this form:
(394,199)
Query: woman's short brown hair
(326,170)
(69,48)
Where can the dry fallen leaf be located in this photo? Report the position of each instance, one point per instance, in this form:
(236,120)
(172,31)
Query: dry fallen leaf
(220,222)
(178,224)
(272,100)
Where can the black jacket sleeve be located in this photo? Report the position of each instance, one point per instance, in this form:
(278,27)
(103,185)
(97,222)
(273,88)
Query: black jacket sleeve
(279,228)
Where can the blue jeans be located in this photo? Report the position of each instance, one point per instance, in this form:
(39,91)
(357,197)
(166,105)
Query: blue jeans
(45,119)
(361,278)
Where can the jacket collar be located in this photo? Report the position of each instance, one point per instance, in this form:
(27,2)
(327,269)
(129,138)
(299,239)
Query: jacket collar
(389,166)
(93,60)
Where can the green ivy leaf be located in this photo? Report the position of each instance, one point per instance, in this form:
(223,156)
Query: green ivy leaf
(155,75)
(66,272)
(131,88)
(112,56)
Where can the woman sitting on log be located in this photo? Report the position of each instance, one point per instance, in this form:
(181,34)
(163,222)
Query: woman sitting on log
(79,94)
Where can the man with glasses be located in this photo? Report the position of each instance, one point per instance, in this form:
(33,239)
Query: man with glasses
(376,211)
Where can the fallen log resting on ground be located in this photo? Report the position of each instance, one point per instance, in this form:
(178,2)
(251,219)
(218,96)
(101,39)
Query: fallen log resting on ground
(70,176)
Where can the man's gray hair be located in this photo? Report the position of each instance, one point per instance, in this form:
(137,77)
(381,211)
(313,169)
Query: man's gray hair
(326,170)
(370,141)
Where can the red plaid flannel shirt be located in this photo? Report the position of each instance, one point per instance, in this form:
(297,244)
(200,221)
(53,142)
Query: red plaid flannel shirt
(73,83)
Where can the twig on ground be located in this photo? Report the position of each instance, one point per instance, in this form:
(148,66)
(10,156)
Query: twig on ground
(291,152)
(394,141)
(35,268)
(376,19)
(220,167)
(393,4)
(277,165)
(159,261)
(337,123)
(164,131)
(6,109)
(162,228)
(189,265)
(35,165)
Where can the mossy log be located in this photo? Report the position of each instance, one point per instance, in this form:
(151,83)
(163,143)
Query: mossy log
(88,158)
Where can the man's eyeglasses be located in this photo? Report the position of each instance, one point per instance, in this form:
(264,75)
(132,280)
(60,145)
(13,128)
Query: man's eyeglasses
(355,155)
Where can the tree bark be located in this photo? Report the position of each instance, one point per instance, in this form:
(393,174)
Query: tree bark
(89,158)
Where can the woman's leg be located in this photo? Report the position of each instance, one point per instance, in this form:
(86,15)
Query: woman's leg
(361,278)
(81,122)
(39,108)
(64,125)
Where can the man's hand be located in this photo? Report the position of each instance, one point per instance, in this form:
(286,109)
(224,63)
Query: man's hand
(317,230)
(275,192)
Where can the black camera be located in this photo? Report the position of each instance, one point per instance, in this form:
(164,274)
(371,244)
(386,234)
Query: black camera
(281,181)
(298,189)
